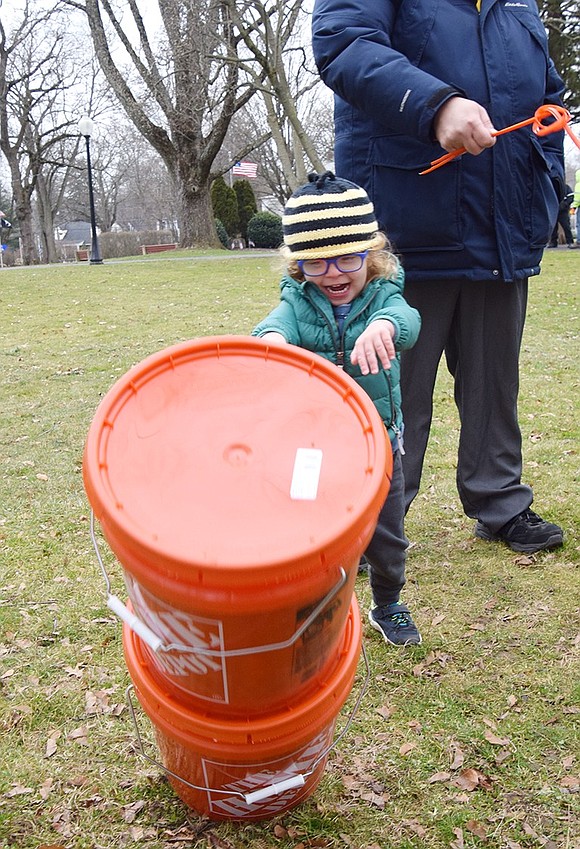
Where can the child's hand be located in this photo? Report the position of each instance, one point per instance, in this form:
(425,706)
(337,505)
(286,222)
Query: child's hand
(374,345)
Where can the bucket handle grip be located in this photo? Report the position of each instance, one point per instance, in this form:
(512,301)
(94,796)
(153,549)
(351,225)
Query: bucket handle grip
(156,643)
(276,787)
(115,604)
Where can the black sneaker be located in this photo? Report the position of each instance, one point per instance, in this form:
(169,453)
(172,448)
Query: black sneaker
(395,624)
(363,566)
(526,532)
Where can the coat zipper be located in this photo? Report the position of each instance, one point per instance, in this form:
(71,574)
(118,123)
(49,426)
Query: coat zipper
(339,349)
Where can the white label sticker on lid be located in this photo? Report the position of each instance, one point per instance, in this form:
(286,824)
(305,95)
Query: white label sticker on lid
(306,474)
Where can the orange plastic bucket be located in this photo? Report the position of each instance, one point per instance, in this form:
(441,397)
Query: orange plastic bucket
(238,485)
(252,768)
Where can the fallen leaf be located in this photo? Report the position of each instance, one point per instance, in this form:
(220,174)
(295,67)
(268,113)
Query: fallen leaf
(524,560)
(461,798)
(96,703)
(458,757)
(439,776)
(437,620)
(386,711)
(469,779)
(45,789)
(51,744)
(130,811)
(376,799)
(76,671)
(19,790)
(406,748)
(571,782)
(459,843)
(502,756)
(495,740)
(476,828)
(529,831)
(415,827)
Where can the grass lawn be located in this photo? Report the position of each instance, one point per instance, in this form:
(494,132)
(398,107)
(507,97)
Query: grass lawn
(470,740)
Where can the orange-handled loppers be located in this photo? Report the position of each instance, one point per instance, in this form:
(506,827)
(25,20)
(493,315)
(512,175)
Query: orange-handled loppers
(561,121)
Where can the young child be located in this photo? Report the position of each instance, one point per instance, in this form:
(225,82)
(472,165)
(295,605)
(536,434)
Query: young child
(342,298)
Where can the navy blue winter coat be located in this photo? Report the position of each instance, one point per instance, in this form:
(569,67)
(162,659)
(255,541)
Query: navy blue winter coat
(392,64)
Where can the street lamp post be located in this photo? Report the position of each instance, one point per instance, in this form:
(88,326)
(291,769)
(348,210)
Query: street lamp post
(86,129)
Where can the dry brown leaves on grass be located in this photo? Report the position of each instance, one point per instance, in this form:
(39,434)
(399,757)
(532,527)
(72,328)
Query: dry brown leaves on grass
(468,741)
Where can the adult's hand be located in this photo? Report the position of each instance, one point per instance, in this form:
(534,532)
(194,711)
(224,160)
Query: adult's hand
(463,123)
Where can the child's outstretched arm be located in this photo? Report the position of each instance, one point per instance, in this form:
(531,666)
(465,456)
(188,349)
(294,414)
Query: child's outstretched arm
(375,345)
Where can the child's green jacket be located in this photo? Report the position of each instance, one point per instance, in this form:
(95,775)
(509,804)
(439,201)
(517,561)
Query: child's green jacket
(305,318)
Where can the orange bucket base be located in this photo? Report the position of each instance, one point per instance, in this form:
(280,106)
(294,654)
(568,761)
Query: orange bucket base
(245,769)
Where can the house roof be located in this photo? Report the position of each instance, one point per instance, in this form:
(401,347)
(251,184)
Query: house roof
(76,233)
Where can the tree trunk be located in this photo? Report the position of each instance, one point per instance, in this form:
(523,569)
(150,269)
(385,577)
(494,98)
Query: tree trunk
(46,221)
(23,212)
(197,224)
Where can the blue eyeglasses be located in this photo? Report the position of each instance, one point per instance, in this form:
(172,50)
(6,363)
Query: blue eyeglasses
(319,267)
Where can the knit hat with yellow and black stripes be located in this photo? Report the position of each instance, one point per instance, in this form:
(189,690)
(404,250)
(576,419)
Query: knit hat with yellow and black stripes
(329,217)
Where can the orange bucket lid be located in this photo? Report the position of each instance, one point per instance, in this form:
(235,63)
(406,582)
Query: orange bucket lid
(224,451)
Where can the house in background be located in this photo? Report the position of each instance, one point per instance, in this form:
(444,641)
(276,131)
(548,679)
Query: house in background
(73,239)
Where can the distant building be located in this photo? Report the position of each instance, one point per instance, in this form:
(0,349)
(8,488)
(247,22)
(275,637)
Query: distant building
(74,233)
(72,237)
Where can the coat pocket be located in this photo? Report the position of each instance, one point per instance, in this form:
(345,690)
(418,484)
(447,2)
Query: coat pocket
(542,206)
(417,213)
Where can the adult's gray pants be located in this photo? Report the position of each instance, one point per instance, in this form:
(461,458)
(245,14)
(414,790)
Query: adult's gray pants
(479,326)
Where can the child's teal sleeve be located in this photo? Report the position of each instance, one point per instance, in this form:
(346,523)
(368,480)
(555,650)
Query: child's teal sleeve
(281,320)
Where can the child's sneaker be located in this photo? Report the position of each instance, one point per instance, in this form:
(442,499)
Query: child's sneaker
(394,622)
(363,565)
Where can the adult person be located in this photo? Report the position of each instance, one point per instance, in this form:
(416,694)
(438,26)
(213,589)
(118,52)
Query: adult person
(411,77)
(563,220)
(576,205)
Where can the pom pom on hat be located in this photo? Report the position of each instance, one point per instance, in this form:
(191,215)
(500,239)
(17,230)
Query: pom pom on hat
(329,217)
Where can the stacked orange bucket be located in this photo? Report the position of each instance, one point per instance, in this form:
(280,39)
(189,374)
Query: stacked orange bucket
(238,484)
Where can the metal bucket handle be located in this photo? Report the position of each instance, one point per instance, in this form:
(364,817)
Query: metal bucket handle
(277,787)
(155,642)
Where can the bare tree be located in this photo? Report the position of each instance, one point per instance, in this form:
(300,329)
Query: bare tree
(278,175)
(278,60)
(31,120)
(180,92)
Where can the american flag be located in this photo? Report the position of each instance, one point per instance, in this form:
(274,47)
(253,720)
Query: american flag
(245,169)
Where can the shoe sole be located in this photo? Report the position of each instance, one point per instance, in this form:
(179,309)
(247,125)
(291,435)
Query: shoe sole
(378,628)
(526,548)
